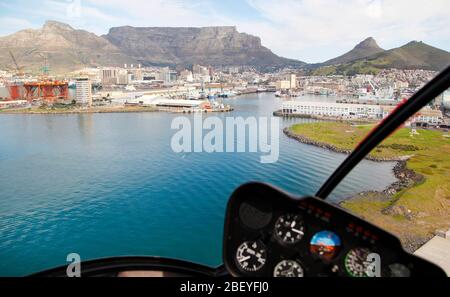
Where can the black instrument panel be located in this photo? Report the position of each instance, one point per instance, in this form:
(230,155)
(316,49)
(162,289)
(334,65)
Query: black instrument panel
(269,233)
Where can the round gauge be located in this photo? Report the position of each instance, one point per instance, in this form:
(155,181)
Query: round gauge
(325,245)
(251,256)
(289,228)
(255,214)
(288,268)
(399,270)
(356,262)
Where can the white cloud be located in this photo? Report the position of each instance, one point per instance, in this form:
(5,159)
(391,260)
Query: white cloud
(310,30)
(9,25)
(335,23)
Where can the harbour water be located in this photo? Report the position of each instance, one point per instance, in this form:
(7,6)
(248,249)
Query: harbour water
(105,185)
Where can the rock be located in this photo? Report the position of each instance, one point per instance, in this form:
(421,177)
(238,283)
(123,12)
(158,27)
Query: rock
(187,46)
(65,48)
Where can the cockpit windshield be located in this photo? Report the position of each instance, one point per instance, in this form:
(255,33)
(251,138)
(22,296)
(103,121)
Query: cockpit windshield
(126,134)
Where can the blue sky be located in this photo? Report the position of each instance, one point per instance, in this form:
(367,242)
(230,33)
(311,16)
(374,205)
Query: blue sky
(308,30)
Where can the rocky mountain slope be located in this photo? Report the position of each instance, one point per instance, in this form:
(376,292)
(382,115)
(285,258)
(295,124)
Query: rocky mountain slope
(63,47)
(364,49)
(186,46)
(413,55)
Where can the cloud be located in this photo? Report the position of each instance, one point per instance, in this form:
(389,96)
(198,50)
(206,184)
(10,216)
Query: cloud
(309,30)
(9,25)
(308,24)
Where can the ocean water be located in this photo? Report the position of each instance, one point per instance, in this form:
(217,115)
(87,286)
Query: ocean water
(107,185)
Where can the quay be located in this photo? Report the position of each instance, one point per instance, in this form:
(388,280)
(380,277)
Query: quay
(437,250)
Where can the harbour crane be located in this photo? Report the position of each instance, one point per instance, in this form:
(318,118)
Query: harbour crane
(18,68)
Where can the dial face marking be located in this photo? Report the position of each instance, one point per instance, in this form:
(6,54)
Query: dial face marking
(288,268)
(251,256)
(356,262)
(289,228)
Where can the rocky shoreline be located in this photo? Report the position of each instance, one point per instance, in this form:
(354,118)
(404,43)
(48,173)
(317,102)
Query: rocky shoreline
(279,113)
(406,178)
(331,147)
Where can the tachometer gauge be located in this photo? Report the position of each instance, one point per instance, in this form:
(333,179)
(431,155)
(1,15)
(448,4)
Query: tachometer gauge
(356,262)
(251,256)
(288,268)
(289,228)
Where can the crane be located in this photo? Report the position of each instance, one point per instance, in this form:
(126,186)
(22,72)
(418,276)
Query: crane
(45,68)
(19,69)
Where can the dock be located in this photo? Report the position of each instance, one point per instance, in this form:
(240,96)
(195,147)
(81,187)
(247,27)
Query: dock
(437,251)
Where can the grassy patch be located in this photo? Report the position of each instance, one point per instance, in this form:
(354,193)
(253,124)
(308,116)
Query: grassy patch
(429,153)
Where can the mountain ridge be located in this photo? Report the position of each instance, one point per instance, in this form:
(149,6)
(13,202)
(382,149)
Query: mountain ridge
(66,48)
(63,47)
(364,49)
(214,45)
(412,55)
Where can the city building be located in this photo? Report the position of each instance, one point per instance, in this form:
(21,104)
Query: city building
(357,111)
(283,85)
(83,91)
(109,76)
(293,81)
(446,99)
(342,110)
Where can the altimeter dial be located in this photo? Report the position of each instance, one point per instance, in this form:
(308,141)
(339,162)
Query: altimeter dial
(251,256)
(289,228)
(288,268)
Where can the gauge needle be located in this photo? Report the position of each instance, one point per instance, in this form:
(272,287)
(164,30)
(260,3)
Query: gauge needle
(293,224)
(297,231)
(244,259)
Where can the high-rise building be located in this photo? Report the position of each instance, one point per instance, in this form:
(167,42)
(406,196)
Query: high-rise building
(109,76)
(83,91)
(293,81)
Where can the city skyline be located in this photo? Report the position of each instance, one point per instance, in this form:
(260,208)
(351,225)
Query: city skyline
(311,31)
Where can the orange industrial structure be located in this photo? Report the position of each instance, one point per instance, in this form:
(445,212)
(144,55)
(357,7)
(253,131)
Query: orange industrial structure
(15,92)
(48,90)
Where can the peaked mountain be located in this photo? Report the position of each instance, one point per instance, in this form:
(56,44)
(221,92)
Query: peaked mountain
(61,47)
(413,55)
(185,46)
(364,49)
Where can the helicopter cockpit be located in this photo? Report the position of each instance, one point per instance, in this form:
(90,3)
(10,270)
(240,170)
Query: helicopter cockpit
(268,232)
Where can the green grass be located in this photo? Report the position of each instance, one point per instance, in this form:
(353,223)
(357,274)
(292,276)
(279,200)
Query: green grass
(429,153)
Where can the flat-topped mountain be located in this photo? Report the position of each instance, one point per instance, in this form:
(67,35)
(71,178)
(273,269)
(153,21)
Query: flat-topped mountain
(64,48)
(186,46)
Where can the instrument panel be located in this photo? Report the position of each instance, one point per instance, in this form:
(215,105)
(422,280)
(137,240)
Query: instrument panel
(270,233)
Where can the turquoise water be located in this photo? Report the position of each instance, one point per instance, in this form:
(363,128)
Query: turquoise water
(109,184)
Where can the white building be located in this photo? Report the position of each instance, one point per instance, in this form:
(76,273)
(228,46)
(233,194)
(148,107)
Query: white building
(343,110)
(283,85)
(83,91)
(350,110)
(446,99)
(293,81)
